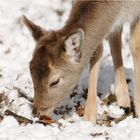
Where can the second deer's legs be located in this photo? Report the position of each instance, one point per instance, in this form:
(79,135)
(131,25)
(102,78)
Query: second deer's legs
(135,49)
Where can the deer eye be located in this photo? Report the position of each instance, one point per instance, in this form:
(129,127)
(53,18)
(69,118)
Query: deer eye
(54,83)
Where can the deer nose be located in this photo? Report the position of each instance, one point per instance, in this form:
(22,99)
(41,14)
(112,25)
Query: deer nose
(35,113)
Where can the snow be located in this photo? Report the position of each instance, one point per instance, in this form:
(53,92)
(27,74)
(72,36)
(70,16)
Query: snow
(16,48)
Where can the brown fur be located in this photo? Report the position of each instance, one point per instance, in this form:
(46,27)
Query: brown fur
(60,55)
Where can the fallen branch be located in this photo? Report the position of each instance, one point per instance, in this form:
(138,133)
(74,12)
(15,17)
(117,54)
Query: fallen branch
(25,121)
(20,119)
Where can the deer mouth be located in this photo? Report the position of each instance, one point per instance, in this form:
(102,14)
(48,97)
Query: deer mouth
(44,111)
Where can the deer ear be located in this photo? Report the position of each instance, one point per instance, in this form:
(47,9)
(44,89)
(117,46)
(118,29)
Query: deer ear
(73,44)
(37,31)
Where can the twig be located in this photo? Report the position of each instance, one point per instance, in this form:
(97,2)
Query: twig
(23,94)
(44,123)
(123,117)
(2,97)
(23,120)
(19,118)
(96,134)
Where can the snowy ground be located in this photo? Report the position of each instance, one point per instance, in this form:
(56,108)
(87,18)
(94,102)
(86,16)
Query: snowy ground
(16,47)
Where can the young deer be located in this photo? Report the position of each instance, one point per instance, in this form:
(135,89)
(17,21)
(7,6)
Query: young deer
(60,56)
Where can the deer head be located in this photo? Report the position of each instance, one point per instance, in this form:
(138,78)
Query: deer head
(55,67)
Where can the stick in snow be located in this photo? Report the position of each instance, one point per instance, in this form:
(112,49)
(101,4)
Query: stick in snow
(19,118)
(23,120)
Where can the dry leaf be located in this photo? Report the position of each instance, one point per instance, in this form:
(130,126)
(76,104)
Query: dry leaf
(80,110)
(110,99)
(47,119)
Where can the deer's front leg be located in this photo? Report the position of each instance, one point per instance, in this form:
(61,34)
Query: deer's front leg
(90,109)
(121,87)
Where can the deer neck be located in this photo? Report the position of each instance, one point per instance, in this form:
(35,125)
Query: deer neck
(95,19)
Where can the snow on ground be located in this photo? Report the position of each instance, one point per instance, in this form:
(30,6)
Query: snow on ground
(16,47)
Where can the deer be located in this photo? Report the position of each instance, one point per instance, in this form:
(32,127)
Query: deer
(60,55)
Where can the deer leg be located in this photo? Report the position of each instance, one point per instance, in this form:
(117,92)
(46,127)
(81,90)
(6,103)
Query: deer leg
(90,109)
(121,87)
(135,49)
